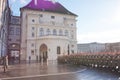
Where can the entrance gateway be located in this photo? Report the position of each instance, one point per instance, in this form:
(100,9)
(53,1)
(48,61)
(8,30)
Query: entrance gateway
(43,53)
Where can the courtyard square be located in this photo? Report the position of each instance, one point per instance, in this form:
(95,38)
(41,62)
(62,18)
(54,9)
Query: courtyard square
(54,71)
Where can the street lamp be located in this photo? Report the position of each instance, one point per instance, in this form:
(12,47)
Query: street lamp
(13,45)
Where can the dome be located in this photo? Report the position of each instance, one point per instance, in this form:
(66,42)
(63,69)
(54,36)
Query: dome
(47,5)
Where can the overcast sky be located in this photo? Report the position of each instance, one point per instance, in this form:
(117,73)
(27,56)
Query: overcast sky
(98,20)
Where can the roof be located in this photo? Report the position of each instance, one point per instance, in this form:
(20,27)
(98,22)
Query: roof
(47,5)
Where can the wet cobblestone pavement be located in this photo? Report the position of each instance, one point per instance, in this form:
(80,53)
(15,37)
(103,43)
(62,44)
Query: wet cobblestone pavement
(54,71)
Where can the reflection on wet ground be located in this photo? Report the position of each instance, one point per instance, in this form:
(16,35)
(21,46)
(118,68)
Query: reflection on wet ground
(54,71)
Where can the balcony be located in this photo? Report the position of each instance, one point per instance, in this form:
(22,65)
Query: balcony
(53,37)
(50,37)
(53,23)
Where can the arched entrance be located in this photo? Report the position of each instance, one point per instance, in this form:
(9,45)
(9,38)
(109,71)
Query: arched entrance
(43,54)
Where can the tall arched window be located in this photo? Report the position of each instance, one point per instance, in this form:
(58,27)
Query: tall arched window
(60,32)
(41,32)
(54,32)
(33,34)
(72,34)
(66,33)
(48,32)
(58,50)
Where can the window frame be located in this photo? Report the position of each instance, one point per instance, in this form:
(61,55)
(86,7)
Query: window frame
(54,32)
(41,32)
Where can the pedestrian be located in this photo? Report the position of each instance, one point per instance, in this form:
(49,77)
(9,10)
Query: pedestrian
(40,58)
(29,59)
(13,59)
(6,59)
(5,63)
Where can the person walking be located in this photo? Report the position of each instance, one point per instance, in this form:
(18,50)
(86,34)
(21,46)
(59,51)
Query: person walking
(29,59)
(5,63)
(6,59)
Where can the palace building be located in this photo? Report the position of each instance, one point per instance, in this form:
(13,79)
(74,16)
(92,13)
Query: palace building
(48,30)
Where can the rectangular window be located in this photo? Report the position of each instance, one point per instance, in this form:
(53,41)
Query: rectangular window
(33,28)
(52,17)
(40,18)
(0,34)
(72,37)
(17,31)
(9,39)
(32,44)
(41,32)
(32,52)
(33,34)
(64,18)
(17,39)
(33,20)
(15,21)
(41,15)
(72,51)
(71,24)
(58,50)
(11,31)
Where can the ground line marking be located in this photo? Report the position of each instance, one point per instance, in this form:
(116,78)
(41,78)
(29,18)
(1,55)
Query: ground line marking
(33,76)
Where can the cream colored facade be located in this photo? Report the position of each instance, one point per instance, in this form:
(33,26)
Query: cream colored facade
(45,35)
(91,47)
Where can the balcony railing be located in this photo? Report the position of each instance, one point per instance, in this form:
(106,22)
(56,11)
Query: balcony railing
(50,36)
(52,23)
(54,36)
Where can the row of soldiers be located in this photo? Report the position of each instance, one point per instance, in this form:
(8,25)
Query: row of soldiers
(109,61)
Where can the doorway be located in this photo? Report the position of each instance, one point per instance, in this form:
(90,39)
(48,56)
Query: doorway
(43,55)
